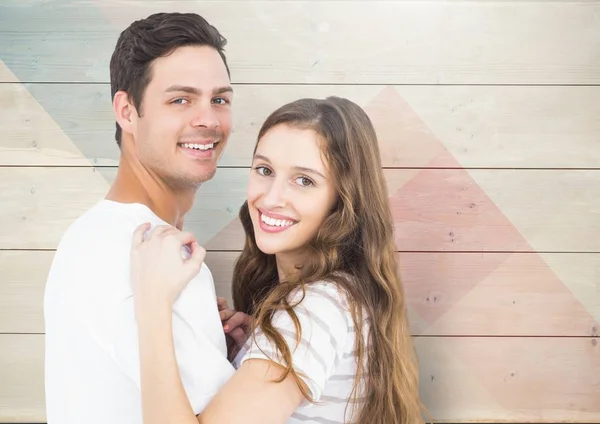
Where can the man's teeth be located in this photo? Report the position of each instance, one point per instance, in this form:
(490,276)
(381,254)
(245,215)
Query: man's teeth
(198,146)
(275,222)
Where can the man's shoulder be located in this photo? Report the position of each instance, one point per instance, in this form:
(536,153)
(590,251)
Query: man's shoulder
(102,222)
(99,239)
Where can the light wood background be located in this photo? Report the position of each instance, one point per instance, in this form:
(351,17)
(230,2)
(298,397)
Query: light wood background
(488,114)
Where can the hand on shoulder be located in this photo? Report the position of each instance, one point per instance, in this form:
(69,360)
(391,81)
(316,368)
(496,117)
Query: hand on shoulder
(159,271)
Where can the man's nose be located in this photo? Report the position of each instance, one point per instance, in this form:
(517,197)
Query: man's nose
(205,117)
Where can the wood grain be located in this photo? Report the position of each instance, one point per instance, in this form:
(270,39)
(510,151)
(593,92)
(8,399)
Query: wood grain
(22,398)
(417,126)
(531,380)
(312,42)
(470,379)
(496,294)
(500,261)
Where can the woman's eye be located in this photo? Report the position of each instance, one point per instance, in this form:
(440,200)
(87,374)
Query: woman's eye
(304,181)
(263,171)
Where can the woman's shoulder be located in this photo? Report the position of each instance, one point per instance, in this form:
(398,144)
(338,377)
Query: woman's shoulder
(324,298)
(329,288)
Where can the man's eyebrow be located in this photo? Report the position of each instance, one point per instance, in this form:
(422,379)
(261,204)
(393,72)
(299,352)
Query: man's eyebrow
(196,91)
(184,88)
(297,168)
(221,90)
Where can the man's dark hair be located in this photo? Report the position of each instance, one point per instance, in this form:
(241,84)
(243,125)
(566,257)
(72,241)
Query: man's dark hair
(156,36)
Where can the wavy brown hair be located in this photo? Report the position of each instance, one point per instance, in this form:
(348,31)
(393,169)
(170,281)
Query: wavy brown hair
(355,249)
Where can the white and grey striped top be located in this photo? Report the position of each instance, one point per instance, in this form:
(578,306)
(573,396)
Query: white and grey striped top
(324,358)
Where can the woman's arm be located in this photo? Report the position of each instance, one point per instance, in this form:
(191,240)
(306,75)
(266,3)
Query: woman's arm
(250,396)
(158,275)
(163,397)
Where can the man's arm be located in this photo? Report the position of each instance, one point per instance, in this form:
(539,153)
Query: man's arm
(202,367)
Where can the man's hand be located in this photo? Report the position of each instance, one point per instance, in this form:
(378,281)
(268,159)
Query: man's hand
(236,326)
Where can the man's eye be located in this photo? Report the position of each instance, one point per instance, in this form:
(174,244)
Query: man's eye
(221,100)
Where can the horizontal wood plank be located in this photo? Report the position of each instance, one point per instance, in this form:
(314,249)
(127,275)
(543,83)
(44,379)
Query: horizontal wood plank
(433,209)
(531,380)
(398,42)
(417,126)
(466,379)
(22,397)
(495,294)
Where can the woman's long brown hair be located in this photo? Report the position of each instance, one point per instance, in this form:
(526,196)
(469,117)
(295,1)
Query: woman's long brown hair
(355,249)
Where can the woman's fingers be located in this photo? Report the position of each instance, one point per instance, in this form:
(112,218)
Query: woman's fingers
(160,268)
(138,234)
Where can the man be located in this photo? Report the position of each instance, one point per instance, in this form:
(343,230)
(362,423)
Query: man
(171,92)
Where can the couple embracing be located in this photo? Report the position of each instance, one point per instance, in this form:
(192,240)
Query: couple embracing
(318,332)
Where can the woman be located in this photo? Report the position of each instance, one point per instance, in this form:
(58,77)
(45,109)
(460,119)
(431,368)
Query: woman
(318,274)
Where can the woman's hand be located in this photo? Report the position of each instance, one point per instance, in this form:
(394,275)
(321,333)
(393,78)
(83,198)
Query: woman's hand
(159,269)
(236,326)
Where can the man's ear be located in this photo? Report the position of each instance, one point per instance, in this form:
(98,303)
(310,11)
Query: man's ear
(124,111)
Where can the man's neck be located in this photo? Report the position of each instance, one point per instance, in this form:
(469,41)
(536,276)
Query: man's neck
(135,184)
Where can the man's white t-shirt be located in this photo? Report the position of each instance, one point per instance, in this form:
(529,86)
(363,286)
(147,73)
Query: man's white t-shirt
(92,370)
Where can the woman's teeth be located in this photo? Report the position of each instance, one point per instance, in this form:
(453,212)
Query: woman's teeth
(275,222)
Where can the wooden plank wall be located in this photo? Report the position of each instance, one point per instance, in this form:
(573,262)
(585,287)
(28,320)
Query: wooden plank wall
(488,114)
